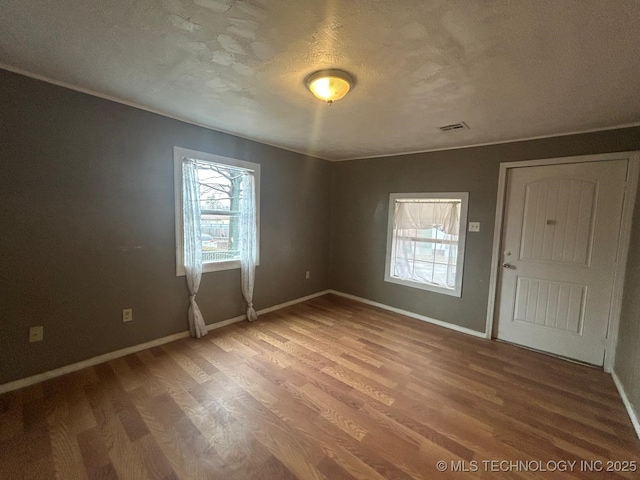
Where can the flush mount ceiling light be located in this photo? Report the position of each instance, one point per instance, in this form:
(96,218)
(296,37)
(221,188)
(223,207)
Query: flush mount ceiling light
(329,85)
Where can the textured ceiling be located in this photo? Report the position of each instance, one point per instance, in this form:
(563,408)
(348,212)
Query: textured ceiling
(510,69)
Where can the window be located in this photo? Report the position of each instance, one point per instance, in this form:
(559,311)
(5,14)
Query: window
(220,193)
(425,241)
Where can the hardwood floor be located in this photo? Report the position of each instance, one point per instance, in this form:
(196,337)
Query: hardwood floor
(328,389)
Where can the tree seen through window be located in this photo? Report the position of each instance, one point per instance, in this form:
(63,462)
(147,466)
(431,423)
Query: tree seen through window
(220,193)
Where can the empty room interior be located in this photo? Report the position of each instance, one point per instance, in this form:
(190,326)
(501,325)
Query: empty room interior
(252,239)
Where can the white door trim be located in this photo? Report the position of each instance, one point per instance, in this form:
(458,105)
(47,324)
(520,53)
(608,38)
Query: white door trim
(623,242)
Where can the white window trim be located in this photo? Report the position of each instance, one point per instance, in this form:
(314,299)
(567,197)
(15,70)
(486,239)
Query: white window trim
(462,237)
(178,154)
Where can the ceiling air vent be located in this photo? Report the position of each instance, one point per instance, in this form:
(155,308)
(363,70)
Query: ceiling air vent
(454,126)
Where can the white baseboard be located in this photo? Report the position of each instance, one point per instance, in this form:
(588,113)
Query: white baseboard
(292,302)
(41,377)
(632,413)
(417,316)
(25,382)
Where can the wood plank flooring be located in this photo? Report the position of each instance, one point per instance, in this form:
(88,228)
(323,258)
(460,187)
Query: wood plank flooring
(328,389)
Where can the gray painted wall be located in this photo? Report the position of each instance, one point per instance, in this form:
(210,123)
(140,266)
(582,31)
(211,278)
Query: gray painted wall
(627,365)
(87,226)
(360,199)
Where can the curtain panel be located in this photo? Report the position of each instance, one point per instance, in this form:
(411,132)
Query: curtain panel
(248,233)
(192,243)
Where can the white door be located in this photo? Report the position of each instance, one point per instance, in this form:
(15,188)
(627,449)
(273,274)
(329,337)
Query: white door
(559,254)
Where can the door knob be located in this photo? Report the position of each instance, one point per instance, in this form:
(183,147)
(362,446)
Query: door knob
(506,265)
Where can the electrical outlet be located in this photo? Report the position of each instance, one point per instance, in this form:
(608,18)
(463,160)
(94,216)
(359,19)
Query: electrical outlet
(36,334)
(474,226)
(127,314)
(307,275)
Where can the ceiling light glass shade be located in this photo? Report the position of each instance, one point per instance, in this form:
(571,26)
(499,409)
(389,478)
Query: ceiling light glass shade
(329,85)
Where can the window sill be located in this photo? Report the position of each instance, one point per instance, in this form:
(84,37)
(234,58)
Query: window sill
(457,292)
(214,267)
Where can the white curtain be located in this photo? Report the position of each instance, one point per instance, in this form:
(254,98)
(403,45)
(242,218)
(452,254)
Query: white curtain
(247,231)
(418,257)
(423,215)
(192,243)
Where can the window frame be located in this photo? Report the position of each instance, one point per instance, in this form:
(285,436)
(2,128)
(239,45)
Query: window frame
(464,207)
(178,154)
